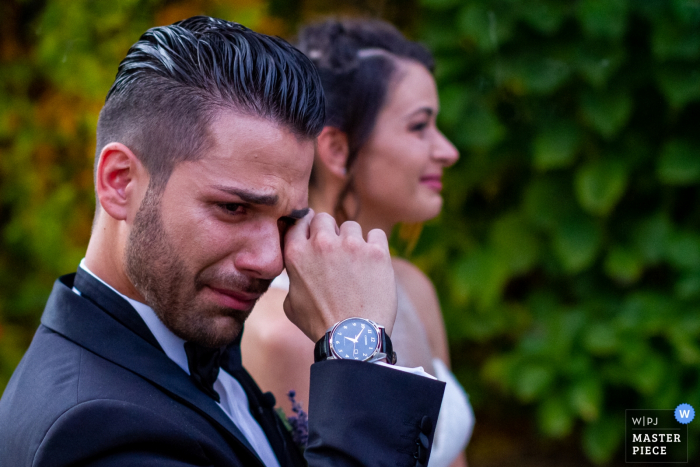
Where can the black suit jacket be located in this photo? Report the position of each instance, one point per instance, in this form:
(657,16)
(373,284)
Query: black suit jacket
(95,388)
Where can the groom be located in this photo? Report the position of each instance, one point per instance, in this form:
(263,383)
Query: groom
(204,150)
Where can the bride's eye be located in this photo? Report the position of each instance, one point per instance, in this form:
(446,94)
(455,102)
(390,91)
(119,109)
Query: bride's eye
(418,127)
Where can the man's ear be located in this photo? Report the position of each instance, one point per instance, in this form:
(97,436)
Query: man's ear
(332,150)
(120,182)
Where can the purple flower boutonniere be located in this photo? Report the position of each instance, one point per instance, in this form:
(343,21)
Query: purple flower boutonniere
(298,424)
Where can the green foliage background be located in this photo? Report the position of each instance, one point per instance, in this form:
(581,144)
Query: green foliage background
(567,257)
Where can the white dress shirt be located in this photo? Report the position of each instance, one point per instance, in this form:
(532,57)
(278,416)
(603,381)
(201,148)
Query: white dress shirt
(234,401)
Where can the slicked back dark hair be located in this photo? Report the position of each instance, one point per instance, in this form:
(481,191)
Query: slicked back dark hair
(357,61)
(176,79)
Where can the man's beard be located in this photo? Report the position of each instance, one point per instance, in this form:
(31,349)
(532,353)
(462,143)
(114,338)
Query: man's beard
(157,271)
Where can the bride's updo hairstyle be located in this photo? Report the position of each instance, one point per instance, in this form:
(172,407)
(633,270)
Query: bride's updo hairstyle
(358,61)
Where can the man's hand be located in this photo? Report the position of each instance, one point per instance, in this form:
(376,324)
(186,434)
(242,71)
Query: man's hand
(335,274)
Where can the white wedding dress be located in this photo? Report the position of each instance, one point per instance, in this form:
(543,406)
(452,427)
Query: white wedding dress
(456,419)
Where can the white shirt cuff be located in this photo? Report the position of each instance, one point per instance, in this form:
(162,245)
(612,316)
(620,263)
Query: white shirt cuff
(419,371)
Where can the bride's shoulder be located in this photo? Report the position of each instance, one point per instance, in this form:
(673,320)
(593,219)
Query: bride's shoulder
(411,277)
(421,293)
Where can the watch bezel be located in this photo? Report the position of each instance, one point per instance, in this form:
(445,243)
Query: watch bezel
(379,330)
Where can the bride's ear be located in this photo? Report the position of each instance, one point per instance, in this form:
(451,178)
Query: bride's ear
(332,150)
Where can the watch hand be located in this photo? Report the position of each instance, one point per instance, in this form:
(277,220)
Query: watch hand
(358,334)
(351,339)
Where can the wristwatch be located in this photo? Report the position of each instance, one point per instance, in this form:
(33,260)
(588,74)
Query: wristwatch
(355,339)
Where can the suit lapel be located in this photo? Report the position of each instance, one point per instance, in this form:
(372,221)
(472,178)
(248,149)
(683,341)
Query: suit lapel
(113,305)
(83,322)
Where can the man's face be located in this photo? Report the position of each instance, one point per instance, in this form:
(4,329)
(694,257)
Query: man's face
(204,250)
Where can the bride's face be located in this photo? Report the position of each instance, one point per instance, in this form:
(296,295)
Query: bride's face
(398,172)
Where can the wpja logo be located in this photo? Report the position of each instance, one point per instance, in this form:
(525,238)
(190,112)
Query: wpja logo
(657,435)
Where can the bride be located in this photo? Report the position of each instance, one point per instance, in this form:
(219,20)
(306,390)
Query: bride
(379,162)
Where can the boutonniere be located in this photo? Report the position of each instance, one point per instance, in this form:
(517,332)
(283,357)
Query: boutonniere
(297,424)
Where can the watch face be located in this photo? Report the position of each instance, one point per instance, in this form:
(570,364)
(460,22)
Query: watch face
(354,339)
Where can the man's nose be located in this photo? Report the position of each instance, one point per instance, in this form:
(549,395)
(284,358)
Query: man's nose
(261,257)
(444,151)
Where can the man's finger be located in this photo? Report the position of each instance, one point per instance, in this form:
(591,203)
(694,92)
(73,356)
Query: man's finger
(350,229)
(300,230)
(378,237)
(323,222)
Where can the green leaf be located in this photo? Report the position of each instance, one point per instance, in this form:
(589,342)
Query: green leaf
(544,16)
(555,147)
(536,74)
(624,265)
(644,313)
(602,437)
(600,184)
(481,277)
(283,418)
(480,129)
(576,242)
(671,41)
(684,250)
(554,417)
(440,39)
(453,103)
(687,11)
(688,286)
(598,62)
(601,339)
(679,163)
(563,329)
(687,350)
(450,68)
(498,370)
(651,237)
(603,18)
(608,112)
(586,397)
(485,26)
(532,380)
(651,9)
(513,240)
(547,201)
(680,83)
(648,376)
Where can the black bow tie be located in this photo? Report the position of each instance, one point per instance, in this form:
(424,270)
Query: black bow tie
(205,362)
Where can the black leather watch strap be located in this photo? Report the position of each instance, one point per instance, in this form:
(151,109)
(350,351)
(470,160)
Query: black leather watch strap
(388,348)
(321,349)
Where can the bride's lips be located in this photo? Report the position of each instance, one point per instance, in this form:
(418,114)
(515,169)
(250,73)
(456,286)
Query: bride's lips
(434,182)
(234,299)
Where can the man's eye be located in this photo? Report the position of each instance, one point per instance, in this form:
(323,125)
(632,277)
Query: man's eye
(286,222)
(232,208)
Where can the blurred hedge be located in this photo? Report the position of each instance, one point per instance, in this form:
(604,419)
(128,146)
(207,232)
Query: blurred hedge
(568,255)
(569,247)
